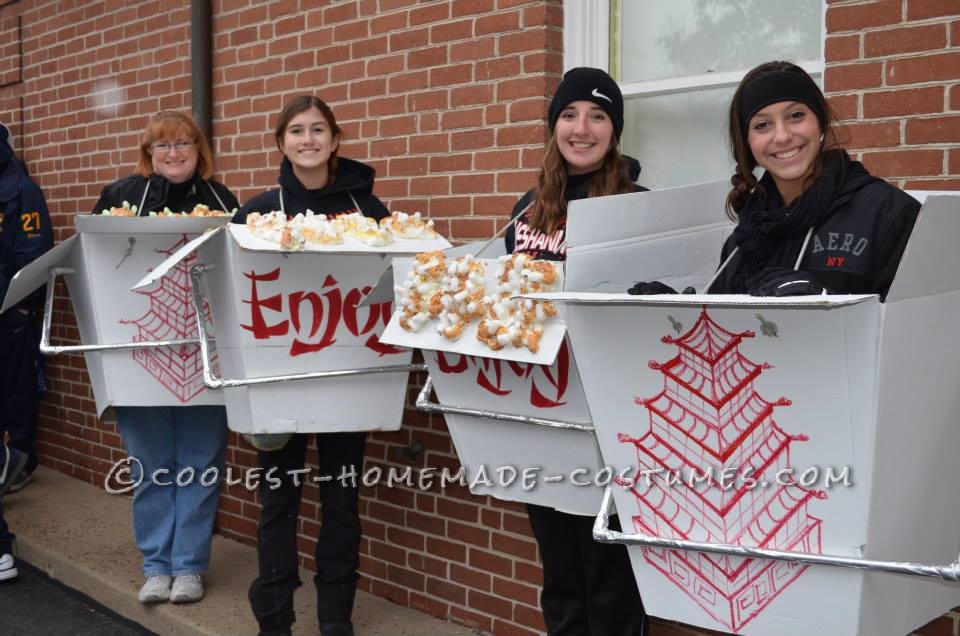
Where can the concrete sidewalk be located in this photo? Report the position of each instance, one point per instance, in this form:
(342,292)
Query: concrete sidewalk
(81,535)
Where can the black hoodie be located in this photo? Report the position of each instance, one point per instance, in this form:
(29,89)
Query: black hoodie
(352,186)
(522,238)
(160,193)
(855,250)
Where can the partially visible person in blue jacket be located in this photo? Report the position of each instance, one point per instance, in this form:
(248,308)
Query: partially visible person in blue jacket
(25,234)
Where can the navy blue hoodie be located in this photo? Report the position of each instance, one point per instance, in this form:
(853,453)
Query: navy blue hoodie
(25,228)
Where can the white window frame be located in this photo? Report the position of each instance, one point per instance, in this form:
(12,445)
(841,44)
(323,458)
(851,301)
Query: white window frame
(586,42)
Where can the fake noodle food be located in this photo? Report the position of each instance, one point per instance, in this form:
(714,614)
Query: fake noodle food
(454,294)
(363,228)
(198,210)
(462,289)
(518,322)
(124,210)
(419,298)
(410,226)
(306,228)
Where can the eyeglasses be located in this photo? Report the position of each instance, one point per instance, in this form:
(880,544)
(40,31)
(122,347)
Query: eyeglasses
(163,147)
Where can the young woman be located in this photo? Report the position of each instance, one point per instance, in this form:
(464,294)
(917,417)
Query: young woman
(313,176)
(173,526)
(816,221)
(588,587)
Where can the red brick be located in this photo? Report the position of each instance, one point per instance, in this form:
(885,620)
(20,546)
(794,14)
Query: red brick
(490,604)
(926,9)
(913,101)
(853,76)
(446,590)
(471,619)
(845,106)
(933,130)
(432,12)
(873,135)
(929,68)
(901,163)
(841,48)
(955,97)
(928,37)
(474,579)
(862,16)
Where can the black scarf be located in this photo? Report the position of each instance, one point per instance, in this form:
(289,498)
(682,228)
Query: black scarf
(765,222)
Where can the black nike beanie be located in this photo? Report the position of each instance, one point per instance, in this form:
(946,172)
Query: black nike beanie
(592,85)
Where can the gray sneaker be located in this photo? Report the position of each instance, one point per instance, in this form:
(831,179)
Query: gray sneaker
(156,589)
(187,588)
(8,568)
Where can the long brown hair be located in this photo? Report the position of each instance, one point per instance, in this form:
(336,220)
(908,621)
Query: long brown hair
(168,124)
(298,105)
(549,206)
(743,179)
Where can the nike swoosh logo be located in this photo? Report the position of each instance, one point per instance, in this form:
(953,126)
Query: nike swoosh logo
(597,93)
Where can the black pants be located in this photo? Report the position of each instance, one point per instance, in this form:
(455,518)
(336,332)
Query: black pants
(18,383)
(588,587)
(338,544)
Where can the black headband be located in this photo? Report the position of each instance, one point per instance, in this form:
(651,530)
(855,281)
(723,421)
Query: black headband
(779,86)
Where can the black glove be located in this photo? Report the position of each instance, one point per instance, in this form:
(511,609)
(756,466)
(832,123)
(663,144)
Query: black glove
(644,288)
(783,281)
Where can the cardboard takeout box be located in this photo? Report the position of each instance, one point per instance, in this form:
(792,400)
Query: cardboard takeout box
(761,390)
(103,260)
(284,313)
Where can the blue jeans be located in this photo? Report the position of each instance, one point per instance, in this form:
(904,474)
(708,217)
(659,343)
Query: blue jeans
(6,537)
(173,524)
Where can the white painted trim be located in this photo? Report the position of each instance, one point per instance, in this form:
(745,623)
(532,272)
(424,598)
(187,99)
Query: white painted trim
(689,83)
(586,34)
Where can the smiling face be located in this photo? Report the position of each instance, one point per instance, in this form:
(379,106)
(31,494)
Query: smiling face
(785,141)
(584,133)
(175,157)
(309,142)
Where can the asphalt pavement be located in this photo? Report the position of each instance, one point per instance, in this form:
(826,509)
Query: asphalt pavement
(34,603)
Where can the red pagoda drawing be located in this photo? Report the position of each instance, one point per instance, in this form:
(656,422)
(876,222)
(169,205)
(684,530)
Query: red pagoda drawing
(710,416)
(171,317)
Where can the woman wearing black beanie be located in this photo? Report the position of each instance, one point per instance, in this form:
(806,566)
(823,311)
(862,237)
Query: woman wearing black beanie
(588,587)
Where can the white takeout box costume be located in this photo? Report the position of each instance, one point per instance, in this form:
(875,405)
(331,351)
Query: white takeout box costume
(681,383)
(513,381)
(284,313)
(100,263)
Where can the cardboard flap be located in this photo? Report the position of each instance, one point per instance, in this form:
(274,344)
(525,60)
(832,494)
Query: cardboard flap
(931,261)
(702,300)
(175,258)
(350,245)
(672,235)
(35,275)
(101,224)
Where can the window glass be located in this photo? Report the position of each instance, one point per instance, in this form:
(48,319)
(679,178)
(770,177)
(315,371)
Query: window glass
(689,37)
(679,139)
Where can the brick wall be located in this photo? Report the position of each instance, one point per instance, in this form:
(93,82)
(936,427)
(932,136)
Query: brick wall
(446,100)
(893,73)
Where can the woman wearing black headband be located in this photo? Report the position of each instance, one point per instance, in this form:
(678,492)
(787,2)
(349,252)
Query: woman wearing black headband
(816,221)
